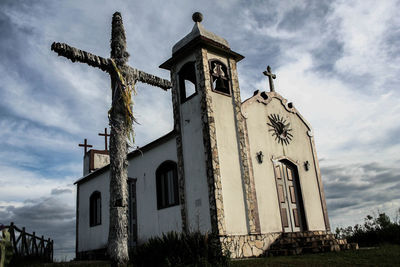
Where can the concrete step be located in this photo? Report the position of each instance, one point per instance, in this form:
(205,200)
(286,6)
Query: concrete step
(308,242)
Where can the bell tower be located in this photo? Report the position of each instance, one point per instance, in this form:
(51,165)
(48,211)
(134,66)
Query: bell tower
(213,162)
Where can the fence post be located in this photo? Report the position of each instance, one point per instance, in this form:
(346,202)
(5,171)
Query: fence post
(42,249)
(23,239)
(12,238)
(52,250)
(48,254)
(29,244)
(34,247)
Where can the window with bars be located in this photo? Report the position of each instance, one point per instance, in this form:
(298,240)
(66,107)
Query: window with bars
(167,185)
(95,208)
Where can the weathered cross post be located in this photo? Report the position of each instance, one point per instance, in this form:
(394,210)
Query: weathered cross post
(123,78)
(270,77)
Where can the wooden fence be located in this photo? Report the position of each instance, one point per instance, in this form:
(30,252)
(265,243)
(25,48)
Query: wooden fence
(30,245)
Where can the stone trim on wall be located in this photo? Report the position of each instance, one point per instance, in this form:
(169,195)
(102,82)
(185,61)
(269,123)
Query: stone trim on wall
(320,185)
(244,152)
(77,222)
(179,148)
(210,145)
(244,246)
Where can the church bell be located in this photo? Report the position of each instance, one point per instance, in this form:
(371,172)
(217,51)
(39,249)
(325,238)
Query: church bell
(220,85)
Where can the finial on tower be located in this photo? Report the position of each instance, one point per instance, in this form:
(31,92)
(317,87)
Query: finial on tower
(197,17)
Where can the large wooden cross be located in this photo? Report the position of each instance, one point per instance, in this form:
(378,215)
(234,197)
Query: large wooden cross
(123,77)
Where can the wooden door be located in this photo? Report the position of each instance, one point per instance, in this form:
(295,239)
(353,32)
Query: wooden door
(289,197)
(132,240)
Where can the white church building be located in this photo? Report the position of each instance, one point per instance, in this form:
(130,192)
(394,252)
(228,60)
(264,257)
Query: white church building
(245,170)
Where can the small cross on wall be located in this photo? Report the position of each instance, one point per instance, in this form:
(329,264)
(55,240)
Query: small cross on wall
(85,145)
(105,134)
(271,76)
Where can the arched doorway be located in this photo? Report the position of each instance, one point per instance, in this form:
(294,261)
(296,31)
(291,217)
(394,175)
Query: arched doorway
(289,196)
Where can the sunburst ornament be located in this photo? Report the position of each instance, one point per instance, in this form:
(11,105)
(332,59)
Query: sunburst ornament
(281,130)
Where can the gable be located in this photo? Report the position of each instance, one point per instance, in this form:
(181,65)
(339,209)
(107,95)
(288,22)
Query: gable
(265,113)
(274,103)
(298,148)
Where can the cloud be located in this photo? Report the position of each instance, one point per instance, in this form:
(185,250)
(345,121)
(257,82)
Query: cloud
(354,190)
(18,184)
(336,60)
(50,217)
(363,31)
(58,191)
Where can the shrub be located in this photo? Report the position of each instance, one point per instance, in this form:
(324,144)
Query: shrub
(6,250)
(373,232)
(178,249)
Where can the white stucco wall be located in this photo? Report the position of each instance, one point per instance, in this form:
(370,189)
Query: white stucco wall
(151,222)
(229,160)
(196,187)
(95,237)
(299,150)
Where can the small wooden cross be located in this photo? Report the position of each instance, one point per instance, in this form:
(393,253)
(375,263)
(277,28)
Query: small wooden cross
(270,77)
(105,134)
(85,145)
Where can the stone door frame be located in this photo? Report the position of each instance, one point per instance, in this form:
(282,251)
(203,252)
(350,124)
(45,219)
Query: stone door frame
(289,204)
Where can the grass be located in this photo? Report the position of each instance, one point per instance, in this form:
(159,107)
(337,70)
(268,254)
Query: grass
(385,255)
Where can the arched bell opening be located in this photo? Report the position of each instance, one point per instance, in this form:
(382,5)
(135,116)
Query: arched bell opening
(187,81)
(219,77)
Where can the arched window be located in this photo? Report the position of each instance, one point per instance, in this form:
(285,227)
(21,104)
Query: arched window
(95,208)
(219,77)
(187,81)
(167,185)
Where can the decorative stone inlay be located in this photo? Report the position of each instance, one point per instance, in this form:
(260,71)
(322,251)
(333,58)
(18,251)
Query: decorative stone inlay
(243,246)
(320,185)
(179,148)
(281,130)
(210,145)
(245,158)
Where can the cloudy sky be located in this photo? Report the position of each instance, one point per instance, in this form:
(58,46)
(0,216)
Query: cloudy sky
(338,61)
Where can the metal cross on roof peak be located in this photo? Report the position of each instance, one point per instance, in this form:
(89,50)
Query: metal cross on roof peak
(271,76)
(105,134)
(85,145)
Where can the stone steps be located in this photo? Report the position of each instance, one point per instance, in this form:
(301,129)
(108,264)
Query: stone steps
(308,242)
